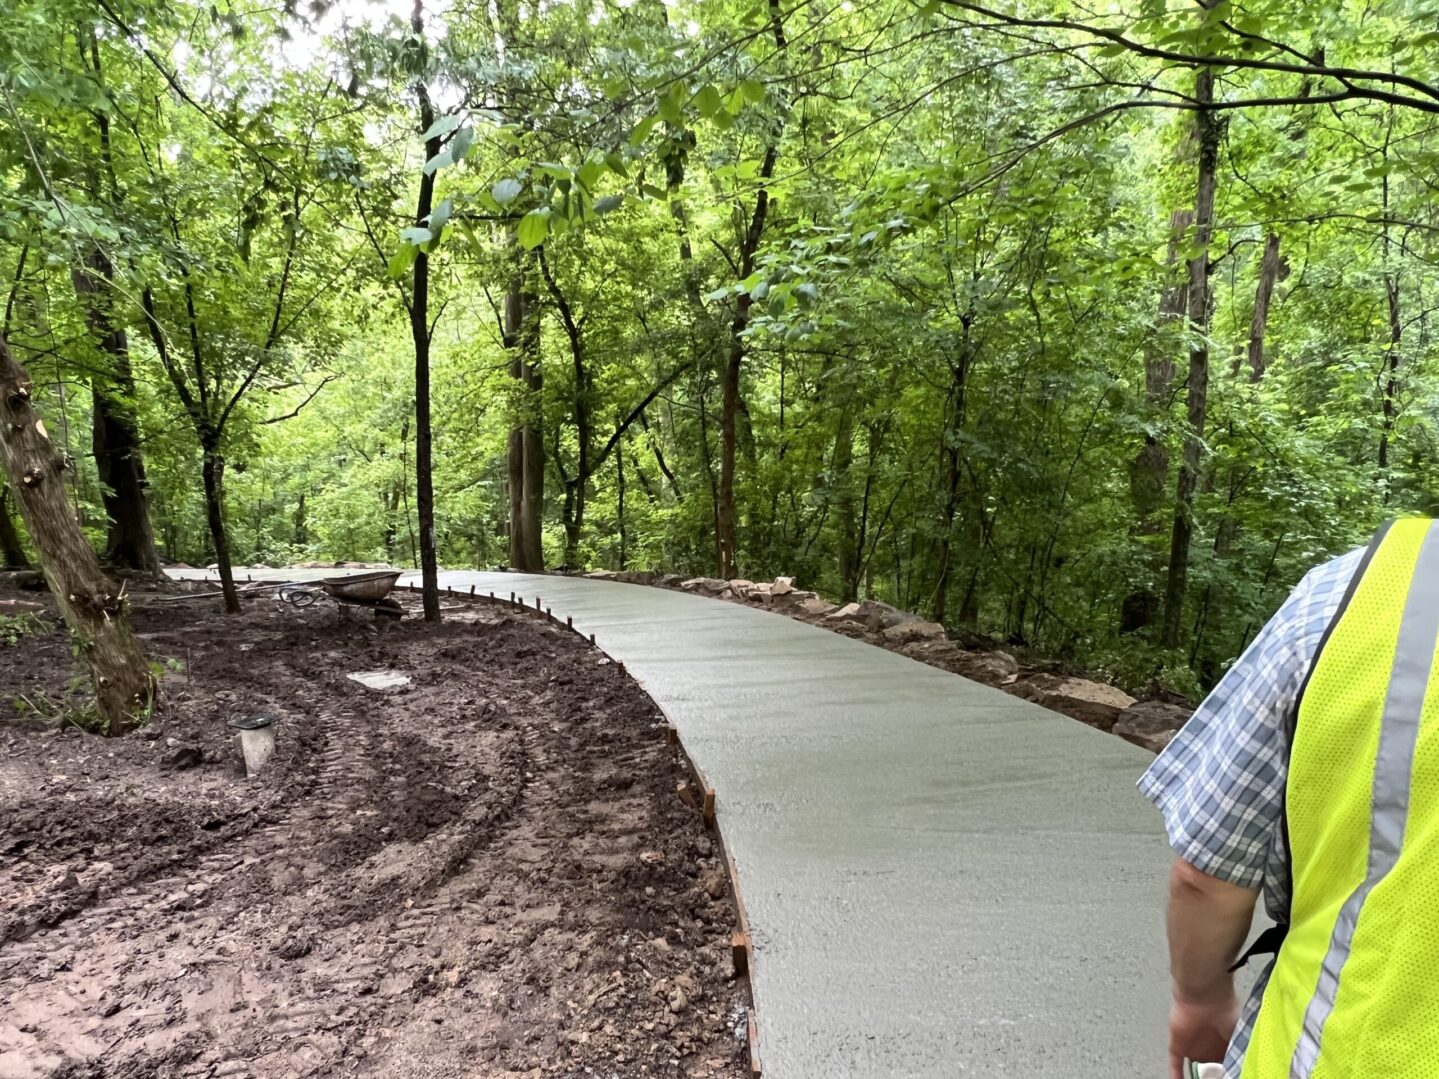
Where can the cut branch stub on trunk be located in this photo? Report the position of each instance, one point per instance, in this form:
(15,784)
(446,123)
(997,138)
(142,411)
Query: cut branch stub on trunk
(92,606)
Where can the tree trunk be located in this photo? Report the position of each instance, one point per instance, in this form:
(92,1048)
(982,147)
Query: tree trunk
(843,469)
(526,451)
(1269,268)
(1391,373)
(1149,471)
(12,552)
(116,439)
(115,432)
(420,332)
(1207,131)
(213,472)
(92,607)
(734,360)
(620,487)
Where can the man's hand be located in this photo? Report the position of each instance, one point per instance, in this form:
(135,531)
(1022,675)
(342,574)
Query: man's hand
(1200,1031)
(1208,921)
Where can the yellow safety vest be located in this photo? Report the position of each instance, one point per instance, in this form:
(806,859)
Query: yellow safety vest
(1354,990)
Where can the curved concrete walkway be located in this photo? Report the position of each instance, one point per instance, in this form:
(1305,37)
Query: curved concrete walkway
(941,880)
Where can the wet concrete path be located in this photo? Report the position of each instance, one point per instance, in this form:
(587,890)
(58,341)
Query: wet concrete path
(941,880)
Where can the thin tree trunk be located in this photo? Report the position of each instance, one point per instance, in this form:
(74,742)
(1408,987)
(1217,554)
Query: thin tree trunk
(213,476)
(93,609)
(1269,268)
(1391,371)
(620,487)
(115,431)
(11,550)
(842,468)
(1149,471)
(734,360)
(526,459)
(420,332)
(116,442)
(1207,131)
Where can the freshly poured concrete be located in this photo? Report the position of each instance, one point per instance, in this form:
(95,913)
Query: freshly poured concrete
(941,880)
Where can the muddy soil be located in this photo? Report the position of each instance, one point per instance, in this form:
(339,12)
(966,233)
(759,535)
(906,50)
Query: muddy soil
(483,873)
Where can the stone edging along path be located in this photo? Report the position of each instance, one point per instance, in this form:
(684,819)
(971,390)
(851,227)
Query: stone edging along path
(1149,723)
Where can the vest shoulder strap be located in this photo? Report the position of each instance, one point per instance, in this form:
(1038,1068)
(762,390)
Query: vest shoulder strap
(1269,941)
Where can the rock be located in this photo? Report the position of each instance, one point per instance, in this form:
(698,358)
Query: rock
(873,615)
(669,580)
(15,607)
(913,629)
(637,576)
(782,586)
(703,847)
(678,1001)
(991,668)
(296,944)
(812,605)
(1089,702)
(380,681)
(761,593)
(180,759)
(709,586)
(1151,724)
(603,575)
(741,587)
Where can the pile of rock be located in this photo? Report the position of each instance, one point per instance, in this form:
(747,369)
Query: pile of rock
(1151,724)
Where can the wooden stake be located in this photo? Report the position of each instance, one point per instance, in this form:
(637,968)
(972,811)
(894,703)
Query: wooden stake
(672,736)
(687,795)
(739,952)
(709,810)
(569,622)
(754,1068)
(472,590)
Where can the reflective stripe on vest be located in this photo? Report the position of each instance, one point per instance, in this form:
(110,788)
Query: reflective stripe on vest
(1353,991)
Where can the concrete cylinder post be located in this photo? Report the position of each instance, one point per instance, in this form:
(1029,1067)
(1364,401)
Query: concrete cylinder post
(257,741)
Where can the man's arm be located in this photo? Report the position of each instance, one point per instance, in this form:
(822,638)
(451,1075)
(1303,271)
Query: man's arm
(1209,921)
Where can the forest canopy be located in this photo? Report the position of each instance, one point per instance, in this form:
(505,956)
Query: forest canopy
(1090,327)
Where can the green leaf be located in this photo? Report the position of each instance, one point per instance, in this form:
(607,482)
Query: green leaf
(417,235)
(609,203)
(403,259)
(671,106)
(440,216)
(708,101)
(642,129)
(753,91)
(559,172)
(439,161)
(460,144)
(506,191)
(534,228)
(440,128)
(589,174)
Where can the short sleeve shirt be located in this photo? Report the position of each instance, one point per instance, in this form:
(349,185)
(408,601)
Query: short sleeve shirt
(1220,783)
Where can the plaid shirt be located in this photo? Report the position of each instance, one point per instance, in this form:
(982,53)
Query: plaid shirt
(1220,783)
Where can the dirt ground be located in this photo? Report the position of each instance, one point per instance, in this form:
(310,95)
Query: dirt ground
(483,873)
